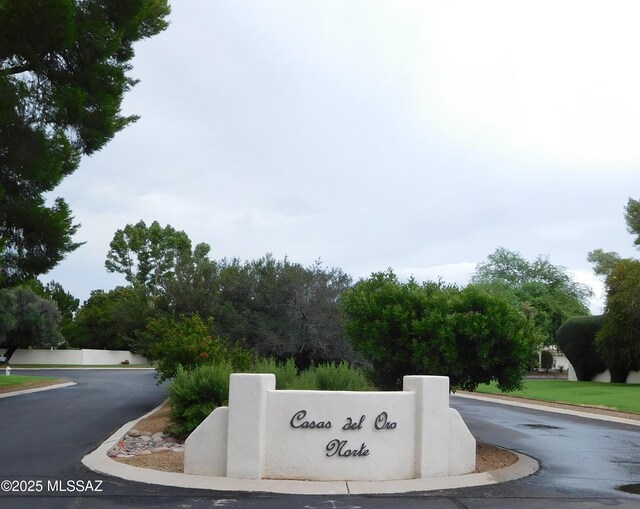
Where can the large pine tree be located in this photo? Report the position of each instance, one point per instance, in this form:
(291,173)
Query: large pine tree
(63,75)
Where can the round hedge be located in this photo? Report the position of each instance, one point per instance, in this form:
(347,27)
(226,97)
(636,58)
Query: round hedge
(576,338)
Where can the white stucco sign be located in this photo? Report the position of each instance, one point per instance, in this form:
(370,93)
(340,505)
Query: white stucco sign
(330,436)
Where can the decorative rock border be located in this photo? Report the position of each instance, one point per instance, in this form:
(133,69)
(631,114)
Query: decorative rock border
(140,443)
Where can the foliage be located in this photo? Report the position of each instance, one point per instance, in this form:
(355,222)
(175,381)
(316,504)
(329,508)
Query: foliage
(146,255)
(63,66)
(287,376)
(603,261)
(110,320)
(195,393)
(283,309)
(546,359)
(618,341)
(544,292)
(576,338)
(27,320)
(334,377)
(632,218)
(7,308)
(183,342)
(277,308)
(67,303)
(468,335)
(192,286)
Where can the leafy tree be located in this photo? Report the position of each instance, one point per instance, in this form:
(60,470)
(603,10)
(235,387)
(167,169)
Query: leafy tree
(468,335)
(283,309)
(7,309)
(278,308)
(147,255)
(603,261)
(632,218)
(67,303)
(63,75)
(27,320)
(618,341)
(544,292)
(186,342)
(110,320)
(193,285)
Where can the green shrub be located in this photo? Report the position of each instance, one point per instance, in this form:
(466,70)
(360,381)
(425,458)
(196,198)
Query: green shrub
(467,334)
(241,358)
(286,373)
(195,393)
(546,360)
(186,341)
(576,338)
(334,377)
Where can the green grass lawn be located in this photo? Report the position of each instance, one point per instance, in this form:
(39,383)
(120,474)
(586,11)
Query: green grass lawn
(41,366)
(625,397)
(18,380)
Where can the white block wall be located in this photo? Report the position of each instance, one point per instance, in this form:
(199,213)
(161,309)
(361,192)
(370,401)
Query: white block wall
(84,357)
(332,435)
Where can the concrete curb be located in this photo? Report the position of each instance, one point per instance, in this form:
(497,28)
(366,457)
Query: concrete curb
(545,408)
(36,389)
(98,461)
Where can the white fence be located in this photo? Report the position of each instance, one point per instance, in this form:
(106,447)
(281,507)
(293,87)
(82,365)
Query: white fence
(84,357)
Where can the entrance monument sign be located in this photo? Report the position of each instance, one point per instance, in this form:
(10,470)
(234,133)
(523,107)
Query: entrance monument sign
(332,435)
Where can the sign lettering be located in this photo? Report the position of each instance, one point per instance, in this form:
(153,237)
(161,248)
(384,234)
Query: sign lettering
(341,448)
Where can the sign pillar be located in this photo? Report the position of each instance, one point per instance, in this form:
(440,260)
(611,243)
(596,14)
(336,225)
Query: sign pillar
(247,424)
(432,424)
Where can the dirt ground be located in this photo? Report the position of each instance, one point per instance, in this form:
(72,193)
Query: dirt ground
(488,457)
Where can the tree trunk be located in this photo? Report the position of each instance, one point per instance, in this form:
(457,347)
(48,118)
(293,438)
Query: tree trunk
(10,352)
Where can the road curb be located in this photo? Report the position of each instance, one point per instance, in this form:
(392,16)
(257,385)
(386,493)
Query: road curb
(541,406)
(98,461)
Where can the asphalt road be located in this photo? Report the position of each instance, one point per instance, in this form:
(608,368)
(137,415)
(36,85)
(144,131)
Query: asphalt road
(45,435)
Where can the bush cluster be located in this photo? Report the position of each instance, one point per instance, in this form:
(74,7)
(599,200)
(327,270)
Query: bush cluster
(196,392)
(467,334)
(546,360)
(187,342)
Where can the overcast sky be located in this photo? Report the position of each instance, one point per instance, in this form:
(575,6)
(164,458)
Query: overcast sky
(416,135)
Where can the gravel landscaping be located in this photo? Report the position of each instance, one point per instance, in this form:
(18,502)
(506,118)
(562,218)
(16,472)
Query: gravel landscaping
(150,445)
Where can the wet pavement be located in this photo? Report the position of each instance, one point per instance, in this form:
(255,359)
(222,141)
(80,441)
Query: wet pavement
(45,435)
(577,455)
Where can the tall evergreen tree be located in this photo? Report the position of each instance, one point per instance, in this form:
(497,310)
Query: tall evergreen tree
(63,75)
